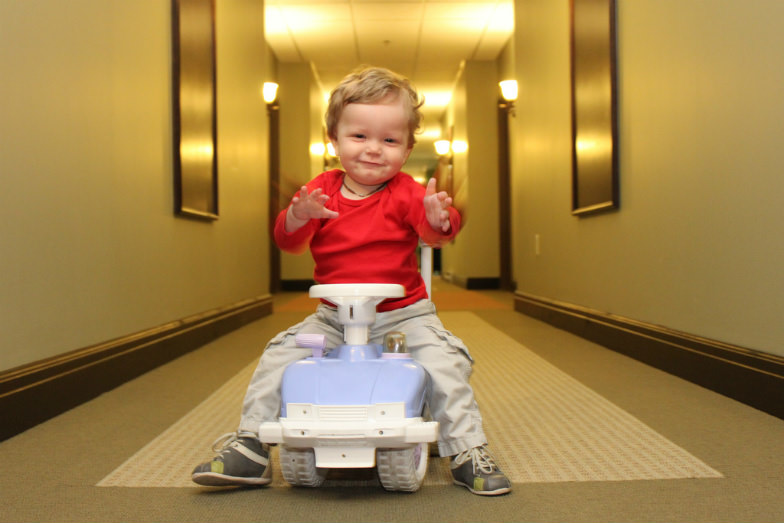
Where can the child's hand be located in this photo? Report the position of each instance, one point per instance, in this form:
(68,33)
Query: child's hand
(437,207)
(306,207)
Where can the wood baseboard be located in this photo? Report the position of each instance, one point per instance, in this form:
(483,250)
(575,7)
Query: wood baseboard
(41,390)
(296,285)
(475,284)
(751,377)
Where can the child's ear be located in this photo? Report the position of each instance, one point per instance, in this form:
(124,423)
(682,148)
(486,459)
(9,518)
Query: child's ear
(335,146)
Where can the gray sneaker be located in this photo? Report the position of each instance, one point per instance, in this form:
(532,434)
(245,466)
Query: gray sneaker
(241,460)
(476,470)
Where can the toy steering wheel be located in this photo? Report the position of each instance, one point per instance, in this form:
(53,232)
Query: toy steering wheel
(357,305)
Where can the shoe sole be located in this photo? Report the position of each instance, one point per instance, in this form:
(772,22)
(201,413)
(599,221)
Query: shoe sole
(212,479)
(496,492)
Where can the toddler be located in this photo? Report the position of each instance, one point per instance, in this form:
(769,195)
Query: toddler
(363,225)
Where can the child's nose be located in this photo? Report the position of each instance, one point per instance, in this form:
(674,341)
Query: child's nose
(373,146)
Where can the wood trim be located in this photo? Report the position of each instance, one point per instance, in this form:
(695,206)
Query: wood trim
(296,285)
(41,390)
(478,284)
(274,207)
(751,377)
(474,284)
(504,112)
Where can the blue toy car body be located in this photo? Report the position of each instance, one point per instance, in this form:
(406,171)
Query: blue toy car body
(356,407)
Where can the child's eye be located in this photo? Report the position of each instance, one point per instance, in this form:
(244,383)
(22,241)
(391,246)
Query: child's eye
(359,136)
(390,140)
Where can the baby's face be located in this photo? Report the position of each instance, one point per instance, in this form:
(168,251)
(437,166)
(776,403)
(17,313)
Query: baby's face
(372,141)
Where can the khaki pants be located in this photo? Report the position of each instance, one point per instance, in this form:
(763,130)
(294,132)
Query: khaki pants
(444,356)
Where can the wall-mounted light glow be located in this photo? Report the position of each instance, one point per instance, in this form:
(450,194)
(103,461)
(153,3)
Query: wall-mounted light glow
(318,149)
(269,92)
(437,98)
(442,147)
(197,150)
(509,90)
(430,133)
(459,146)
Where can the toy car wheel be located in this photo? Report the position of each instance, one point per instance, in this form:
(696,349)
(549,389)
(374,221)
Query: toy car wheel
(299,467)
(402,469)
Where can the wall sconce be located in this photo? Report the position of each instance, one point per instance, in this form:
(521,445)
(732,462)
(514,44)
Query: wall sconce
(269,92)
(442,147)
(325,151)
(509,90)
(459,146)
(509,95)
(318,149)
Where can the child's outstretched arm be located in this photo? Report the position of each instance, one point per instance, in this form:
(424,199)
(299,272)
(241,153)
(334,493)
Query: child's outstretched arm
(305,207)
(437,206)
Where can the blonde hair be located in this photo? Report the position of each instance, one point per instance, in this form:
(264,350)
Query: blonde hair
(368,85)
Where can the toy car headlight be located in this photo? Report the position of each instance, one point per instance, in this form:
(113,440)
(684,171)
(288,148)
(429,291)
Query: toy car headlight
(395,343)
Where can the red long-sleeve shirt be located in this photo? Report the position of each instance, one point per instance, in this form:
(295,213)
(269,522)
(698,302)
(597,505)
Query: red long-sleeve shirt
(374,239)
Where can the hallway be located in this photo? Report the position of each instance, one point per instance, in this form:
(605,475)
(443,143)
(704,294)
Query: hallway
(585,434)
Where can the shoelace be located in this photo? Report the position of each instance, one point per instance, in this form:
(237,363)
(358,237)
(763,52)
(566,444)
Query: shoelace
(228,440)
(224,442)
(480,457)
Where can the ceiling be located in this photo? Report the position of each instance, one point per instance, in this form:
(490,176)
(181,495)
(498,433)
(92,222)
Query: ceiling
(425,40)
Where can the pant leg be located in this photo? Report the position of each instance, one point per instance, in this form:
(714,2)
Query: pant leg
(448,363)
(262,398)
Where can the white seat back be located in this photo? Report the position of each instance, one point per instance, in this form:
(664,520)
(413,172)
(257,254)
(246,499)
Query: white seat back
(426,268)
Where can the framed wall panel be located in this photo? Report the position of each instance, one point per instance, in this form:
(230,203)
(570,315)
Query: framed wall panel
(195,141)
(594,112)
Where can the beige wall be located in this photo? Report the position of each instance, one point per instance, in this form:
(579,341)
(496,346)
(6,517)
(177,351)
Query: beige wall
(301,114)
(91,249)
(472,113)
(696,244)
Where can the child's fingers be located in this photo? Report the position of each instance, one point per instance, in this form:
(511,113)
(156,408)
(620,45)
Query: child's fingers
(431,187)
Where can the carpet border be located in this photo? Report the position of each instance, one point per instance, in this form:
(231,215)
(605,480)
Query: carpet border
(751,377)
(34,393)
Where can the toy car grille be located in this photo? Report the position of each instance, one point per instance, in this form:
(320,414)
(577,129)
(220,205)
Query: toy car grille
(343,412)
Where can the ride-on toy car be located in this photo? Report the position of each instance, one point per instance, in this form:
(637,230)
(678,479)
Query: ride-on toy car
(357,406)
